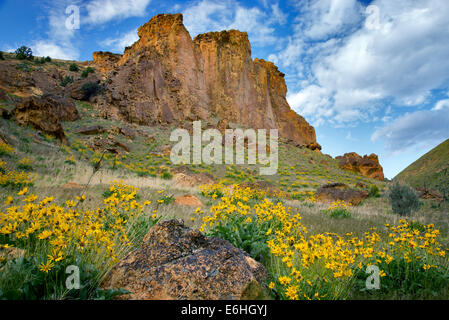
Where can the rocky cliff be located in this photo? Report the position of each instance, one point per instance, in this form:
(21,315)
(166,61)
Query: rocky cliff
(367,166)
(168,77)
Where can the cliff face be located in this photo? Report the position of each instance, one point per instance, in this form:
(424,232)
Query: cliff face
(166,77)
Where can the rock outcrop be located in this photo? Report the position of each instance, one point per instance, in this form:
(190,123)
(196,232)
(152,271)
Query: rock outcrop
(178,263)
(340,191)
(105,61)
(367,166)
(45,114)
(166,77)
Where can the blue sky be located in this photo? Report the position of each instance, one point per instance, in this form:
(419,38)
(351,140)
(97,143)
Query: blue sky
(371,76)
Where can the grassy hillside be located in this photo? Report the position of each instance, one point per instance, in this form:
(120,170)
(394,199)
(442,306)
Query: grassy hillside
(81,218)
(430,171)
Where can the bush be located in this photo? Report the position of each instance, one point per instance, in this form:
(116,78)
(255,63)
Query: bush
(90,89)
(66,81)
(166,175)
(403,199)
(86,72)
(1,56)
(374,191)
(24,53)
(47,59)
(74,67)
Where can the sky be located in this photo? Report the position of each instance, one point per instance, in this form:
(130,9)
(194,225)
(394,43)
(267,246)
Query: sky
(371,76)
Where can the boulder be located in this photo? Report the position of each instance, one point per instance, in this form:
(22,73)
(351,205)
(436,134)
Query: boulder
(75,89)
(178,263)
(186,178)
(340,191)
(367,166)
(188,200)
(91,130)
(430,194)
(45,114)
(109,143)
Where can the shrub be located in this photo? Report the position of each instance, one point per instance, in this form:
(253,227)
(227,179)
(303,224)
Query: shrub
(24,53)
(86,72)
(1,56)
(166,175)
(90,89)
(47,59)
(66,81)
(403,199)
(39,61)
(374,191)
(74,67)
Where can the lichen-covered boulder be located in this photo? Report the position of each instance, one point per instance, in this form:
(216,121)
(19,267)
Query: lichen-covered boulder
(340,191)
(178,263)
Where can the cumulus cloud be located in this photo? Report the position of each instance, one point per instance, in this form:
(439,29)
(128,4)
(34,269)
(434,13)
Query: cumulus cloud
(442,104)
(48,48)
(211,15)
(353,70)
(101,11)
(60,40)
(321,18)
(420,128)
(118,44)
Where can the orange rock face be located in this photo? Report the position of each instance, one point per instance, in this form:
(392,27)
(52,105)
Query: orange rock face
(367,166)
(166,77)
(105,61)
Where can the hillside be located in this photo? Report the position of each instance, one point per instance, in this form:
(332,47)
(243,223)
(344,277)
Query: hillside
(87,179)
(430,171)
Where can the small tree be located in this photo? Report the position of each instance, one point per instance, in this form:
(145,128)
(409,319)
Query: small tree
(24,53)
(90,89)
(403,199)
(47,59)
(66,81)
(1,56)
(74,67)
(86,72)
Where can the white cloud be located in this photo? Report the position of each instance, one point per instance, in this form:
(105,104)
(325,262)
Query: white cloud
(118,44)
(101,11)
(401,62)
(321,18)
(60,42)
(440,105)
(47,48)
(211,15)
(415,129)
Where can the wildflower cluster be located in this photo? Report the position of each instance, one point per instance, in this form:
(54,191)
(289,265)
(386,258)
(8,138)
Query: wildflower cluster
(339,209)
(61,234)
(25,164)
(306,266)
(5,149)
